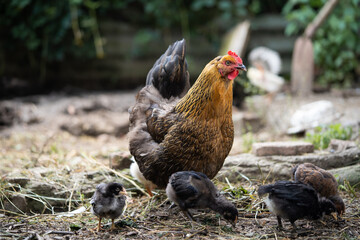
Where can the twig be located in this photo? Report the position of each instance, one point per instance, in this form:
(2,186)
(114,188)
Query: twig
(3,194)
(71,194)
(115,172)
(227,181)
(43,148)
(59,232)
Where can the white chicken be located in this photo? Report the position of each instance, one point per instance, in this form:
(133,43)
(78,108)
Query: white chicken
(264,70)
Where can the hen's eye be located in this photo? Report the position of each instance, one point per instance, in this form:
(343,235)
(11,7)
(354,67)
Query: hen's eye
(118,189)
(227,63)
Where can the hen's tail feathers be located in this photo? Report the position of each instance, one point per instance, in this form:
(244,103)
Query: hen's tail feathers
(264,189)
(169,74)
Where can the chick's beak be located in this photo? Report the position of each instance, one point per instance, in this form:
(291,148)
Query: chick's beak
(123,193)
(241,67)
(334,214)
(234,222)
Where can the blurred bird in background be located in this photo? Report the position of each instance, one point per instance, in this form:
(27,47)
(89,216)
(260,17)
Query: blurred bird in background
(263,72)
(189,189)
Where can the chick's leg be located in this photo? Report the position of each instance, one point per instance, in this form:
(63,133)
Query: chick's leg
(280,226)
(294,226)
(188,214)
(112,224)
(99,225)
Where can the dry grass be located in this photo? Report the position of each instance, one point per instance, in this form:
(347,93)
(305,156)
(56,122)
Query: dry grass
(145,217)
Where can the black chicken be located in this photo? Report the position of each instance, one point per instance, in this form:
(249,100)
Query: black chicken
(295,200)
(189,189)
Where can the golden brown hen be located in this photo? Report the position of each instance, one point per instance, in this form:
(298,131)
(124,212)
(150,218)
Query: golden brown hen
(322,181)
(173,129)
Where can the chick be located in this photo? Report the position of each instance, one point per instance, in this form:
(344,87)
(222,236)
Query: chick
(108,201)
(322,181)
(295,200)
(189,189)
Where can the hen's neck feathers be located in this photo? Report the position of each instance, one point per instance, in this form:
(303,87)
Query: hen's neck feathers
(210,97)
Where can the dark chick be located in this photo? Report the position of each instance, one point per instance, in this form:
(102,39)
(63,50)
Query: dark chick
(322,181)
(108,201)
(295,200)
(189,189)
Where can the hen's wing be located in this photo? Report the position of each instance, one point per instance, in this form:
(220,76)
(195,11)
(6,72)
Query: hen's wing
(320,179)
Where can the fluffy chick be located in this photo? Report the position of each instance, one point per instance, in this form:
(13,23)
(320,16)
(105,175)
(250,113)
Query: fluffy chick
(108,201)
(295,200)
(322,181)
(189,189)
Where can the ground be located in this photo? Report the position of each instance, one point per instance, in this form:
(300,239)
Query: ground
(42,145)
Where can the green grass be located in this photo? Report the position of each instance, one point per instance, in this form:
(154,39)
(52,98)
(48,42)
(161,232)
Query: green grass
(322,135)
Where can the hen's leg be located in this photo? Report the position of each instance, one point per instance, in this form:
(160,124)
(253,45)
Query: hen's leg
(148,189)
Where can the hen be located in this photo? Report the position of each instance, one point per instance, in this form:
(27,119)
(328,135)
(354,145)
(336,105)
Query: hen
(189,189)
(322,181)
(295,200)
(175,129)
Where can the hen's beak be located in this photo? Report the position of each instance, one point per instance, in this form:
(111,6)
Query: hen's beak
(241,67)
(334,214)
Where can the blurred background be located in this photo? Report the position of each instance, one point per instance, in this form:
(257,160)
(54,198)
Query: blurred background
(77,45)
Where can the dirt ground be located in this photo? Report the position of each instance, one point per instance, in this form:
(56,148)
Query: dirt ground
(24,147)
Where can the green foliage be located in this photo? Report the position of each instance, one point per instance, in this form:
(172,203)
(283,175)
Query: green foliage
(37,33)
(74,227)
(248,140)
(323,135)
(50,31)
(336,42)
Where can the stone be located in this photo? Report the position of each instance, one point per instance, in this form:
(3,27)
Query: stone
(337,145)
(120,160)
(311,115)
(16,204)
(280,167)
(246,122)
(348,173)
(22,181)
(282,148)
(95,124)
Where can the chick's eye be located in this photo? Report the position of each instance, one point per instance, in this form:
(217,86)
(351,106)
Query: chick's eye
(227,63)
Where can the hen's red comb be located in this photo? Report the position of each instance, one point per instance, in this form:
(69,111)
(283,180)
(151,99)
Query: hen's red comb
(238,59)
